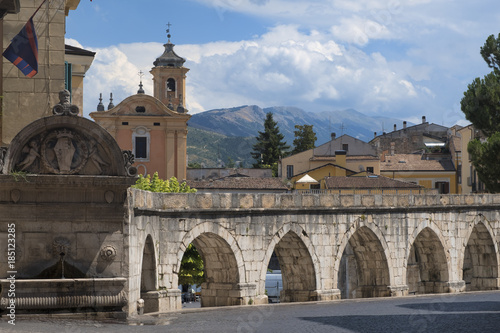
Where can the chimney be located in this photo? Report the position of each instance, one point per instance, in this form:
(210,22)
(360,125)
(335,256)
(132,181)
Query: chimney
(395,127)
(333,136)
(423,120)
(393,147)
(341,158)
(404,124)
(374,134)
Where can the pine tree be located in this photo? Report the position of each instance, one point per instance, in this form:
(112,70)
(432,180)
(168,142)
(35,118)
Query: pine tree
(481,106)
(305,138)
(270,145)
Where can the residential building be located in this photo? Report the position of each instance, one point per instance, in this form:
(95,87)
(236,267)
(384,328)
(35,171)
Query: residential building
(77,62)
(417,169)
(470,180)
(422,137)
(369,184)
(26,99)
(154,127)
(355,156)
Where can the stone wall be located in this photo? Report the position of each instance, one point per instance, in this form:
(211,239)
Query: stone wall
(69,227)
(27,99)
(396,242)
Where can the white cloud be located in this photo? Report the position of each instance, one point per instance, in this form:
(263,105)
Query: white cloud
(282,67)
(390,58)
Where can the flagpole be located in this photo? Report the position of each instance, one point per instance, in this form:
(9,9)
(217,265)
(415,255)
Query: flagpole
(36,11)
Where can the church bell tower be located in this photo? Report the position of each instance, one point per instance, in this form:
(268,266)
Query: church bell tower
(169,78)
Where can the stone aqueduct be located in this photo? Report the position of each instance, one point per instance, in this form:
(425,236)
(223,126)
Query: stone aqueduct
(328,246)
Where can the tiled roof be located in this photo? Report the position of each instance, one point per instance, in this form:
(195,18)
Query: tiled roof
(321,166)
(414,162)
(372,181)
(348,158)
(239,183)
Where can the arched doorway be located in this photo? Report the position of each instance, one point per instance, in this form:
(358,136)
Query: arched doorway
(363,270)
(220,271)
(148,271)
(480,270)
(427,266)
(297,269)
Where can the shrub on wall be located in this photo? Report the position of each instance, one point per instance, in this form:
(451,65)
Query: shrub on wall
(156,184)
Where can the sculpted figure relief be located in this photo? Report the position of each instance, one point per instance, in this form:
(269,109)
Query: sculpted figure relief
(64,107)
(31,157)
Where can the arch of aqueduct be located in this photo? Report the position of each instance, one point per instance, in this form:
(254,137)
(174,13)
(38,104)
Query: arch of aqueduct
(328,246)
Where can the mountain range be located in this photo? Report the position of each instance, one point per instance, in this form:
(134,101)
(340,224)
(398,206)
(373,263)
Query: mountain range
(216,135)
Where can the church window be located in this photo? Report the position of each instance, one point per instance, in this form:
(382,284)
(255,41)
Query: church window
(289,171)
(141,143)
(140,109)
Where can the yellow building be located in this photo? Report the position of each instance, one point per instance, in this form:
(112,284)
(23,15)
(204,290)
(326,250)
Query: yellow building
(470,180)
(355,156)
(25,99)
(154,128)
(431,174)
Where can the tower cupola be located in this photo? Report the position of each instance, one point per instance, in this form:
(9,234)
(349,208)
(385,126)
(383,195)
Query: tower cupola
(169,77)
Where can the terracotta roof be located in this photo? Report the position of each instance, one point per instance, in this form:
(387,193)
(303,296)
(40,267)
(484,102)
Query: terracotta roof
(414,162)
(348,158)
(239,183)
(321,166)
(372,181)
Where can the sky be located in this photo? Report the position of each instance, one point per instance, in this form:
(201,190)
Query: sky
(396,58)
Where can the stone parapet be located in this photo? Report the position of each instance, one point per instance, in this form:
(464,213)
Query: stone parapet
(144,200)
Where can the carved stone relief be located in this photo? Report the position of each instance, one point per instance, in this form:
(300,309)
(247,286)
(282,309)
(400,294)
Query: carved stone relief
(62,151)
(66,144)
(108,253)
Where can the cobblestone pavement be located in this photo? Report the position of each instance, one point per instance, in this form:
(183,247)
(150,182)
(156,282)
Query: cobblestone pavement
(469,312)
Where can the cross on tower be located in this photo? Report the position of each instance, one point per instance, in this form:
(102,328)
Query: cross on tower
(168,31)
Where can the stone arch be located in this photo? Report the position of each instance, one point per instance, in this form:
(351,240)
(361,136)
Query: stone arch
(148,266)
(298,262)
(91,149)
(480,259)
(224,268)
(371,269)
(427,268)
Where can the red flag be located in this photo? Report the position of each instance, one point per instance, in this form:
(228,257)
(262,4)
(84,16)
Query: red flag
(23,50)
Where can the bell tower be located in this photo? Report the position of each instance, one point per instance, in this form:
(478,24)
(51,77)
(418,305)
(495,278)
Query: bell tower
(169,78)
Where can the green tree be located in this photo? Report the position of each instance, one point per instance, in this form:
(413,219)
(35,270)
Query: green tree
(270,145)
(191,271)
(305,138)
(194,165)
(230,163)
(481,106)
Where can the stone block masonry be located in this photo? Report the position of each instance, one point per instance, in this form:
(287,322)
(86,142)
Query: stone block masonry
(390,246)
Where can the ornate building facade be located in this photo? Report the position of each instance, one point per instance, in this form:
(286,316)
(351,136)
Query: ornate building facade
(154,128)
